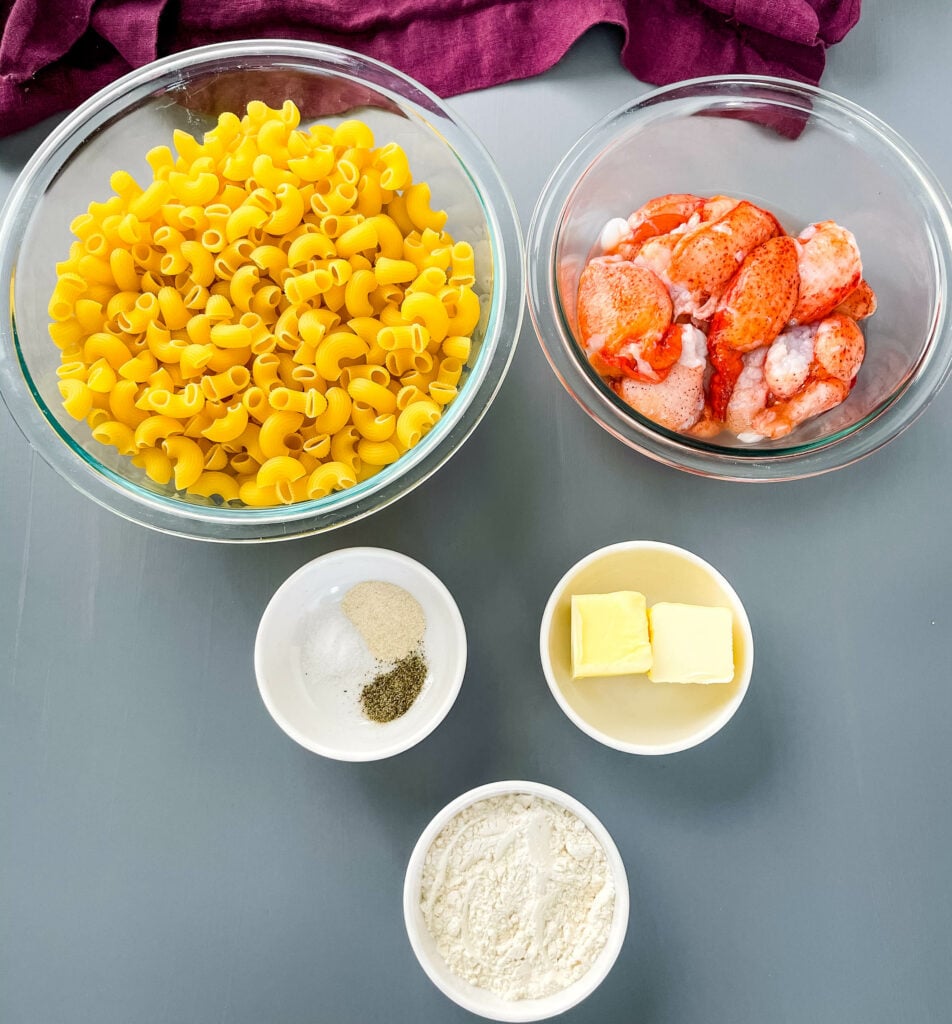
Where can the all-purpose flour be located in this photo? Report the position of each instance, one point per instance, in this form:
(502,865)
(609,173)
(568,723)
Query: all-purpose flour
(518,895)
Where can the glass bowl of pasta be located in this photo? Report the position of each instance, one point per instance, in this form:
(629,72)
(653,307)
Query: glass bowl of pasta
(256,290)
(745,278)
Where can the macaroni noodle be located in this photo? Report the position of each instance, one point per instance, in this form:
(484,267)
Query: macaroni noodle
(277,315)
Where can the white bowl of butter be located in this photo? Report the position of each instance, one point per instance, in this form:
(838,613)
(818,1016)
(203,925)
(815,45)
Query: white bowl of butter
(686,601)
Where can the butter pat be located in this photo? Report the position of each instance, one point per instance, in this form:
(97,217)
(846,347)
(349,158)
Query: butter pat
(609,634)
(691,644)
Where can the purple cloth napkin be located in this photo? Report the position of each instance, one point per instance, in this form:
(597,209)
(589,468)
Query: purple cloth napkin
(56,53)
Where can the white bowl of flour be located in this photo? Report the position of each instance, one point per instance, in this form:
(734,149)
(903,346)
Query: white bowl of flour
(516,901)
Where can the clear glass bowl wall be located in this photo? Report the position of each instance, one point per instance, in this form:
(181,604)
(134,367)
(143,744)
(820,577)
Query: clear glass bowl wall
(829,160)
(115,129)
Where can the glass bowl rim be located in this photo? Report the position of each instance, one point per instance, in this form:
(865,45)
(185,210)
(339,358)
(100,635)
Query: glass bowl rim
(171,514)
(893,414)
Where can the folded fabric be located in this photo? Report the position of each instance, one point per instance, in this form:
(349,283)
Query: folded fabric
(56,53)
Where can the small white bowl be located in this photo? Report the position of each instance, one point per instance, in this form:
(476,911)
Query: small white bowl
(631,713)
(324,722)
(478,1000)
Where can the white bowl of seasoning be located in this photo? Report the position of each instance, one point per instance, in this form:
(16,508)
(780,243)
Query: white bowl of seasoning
(516,901)
(360,654)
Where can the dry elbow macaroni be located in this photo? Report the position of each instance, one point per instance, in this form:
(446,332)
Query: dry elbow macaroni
(276,316)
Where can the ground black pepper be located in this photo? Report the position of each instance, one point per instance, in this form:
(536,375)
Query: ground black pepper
(391,694)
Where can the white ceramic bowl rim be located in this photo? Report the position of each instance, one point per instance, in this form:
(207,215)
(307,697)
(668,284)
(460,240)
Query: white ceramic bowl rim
(171,515)
(468,996)
(610,741)
(754,464)
(439,711)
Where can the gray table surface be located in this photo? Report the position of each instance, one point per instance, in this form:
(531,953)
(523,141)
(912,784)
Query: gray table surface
(167,854)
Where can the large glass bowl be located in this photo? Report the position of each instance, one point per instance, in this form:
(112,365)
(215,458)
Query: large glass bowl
(806,155)
(115,129)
